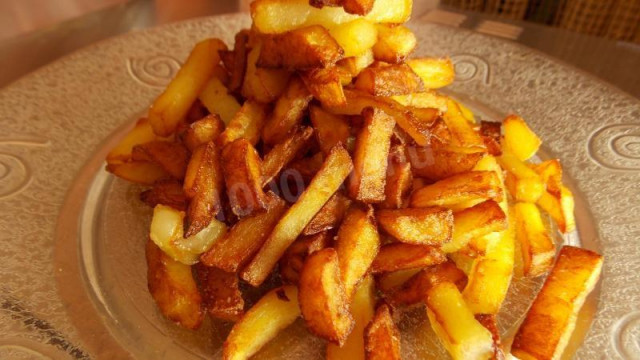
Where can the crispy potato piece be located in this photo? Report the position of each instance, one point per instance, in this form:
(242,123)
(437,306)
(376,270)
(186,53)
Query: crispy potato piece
(330,216)
(519,139)
(367,183)
(394,43)
(246,123)
(355,37)
(399,256)
(358,7)
(389,80)
(141,133)
(267,17)
(435,73)
(459,191)
(560,208)
(423,99)
(174,103)
(454,324)
(362,310)
(260,84)
(551,173)
(463,260)
(490,323)
(203,185)
(426,226)
(240,50)
(202,131)
(353,65)
(538,248)
(221,297)
(382,338)
(139,172)
(399,179)
(490,132)
(414,290)
(437,163)
(525,184)
(334,171)
(548,325)
(325,84)
(478,220)
(300,49)
(171,156)
(385,282)
(282,154)
(357,245)
(242,170)
(322,3)
(243,240)
(322,297)
(287,113)
(173,288)
(330,129)
(462,132)
(293,259)
(166,192)
(216,98)
(308,167)
(271,314)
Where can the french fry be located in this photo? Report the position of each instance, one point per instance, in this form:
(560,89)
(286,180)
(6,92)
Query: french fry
(266,19)
(330,215)
(325,84)
(490,132)
(382,338)
(519,139)
(309,166)
(425,226)
(389,80)
(423,99)
(367,183)
(462,133)
(394,43)
(240,50)
(260,84)
(271,314)
(334,171)
(330,129)
(355,37)
(221,297)
(293,259)
(202,131)
(399,256)
(399,179)
(358,7)
(551,173)
(463,260)
(415,290)
(538,248)
(322,3)
(282,154)
(166,192)
(173,288)
(234,250)
(454,324)
(246,123)
(141,133)
(357,245)
(387,281)
(139,172)
(287,113)
(490,323)
(435,73)
(171,156)
(174,103)
(548,325)
(560,208)
(362,311)
(478,220)
(300,49)
(459,191)
(217,99)
(437,163)
(525,184)
(322,297)
(242,170)
(353,65)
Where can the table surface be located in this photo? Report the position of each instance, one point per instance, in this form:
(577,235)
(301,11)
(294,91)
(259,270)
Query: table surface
(612,61)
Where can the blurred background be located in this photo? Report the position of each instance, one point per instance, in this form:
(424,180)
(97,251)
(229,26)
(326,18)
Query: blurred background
(601,37)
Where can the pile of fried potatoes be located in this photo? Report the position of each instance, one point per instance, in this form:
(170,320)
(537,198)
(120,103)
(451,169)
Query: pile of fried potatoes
(316,155)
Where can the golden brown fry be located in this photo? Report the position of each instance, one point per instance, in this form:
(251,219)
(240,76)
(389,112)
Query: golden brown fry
(141,133)
(308,167)
(247,123)
(325,85)
(166,192)
(426,226)
(525,183)
(322,3)
(173,288)
(560,208)
(271,314)
(399,179)
(221,297)
(435,73)
(462,132)
(395,43)
(357,245)
(322,297)
(171,156)
(423,99)
(382,338)
(478,220)
(326,182)
(293,259)
(287,113)
(459,191)
(551,173)
(282,154)
(437,163)
(358,7)
(490,323)
(351,66)
(399,256)
(367,183)
(174,103)
(490,132)
(389,80)
(300,49)
(202,131)
(415,290)
(546,329)
(260,84)
(218,100)
(537,246)
(239,60)
(243,240)
(519,139)
(242,170)
(330,216)
(355,37)
(139,172)
(330,129)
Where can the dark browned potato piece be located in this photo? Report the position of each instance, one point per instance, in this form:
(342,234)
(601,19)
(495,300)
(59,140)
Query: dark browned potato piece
(389,80)
(239,61)
(282,154)
(399,179)
(490,323)
(437,163)
(459,189)
(425,226)
(322,297)
(358,7)
(221,297)
(381,336)
(173,288)
(414,291)
(399,256)
(367,183)
(247,123)
(293,259)
(322,3)
(287,113)
(202,131)
(330,128)
(171,156)
(325,85)
(300,49)
(242,170)
(166,192)
(490,132)
(330,216)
